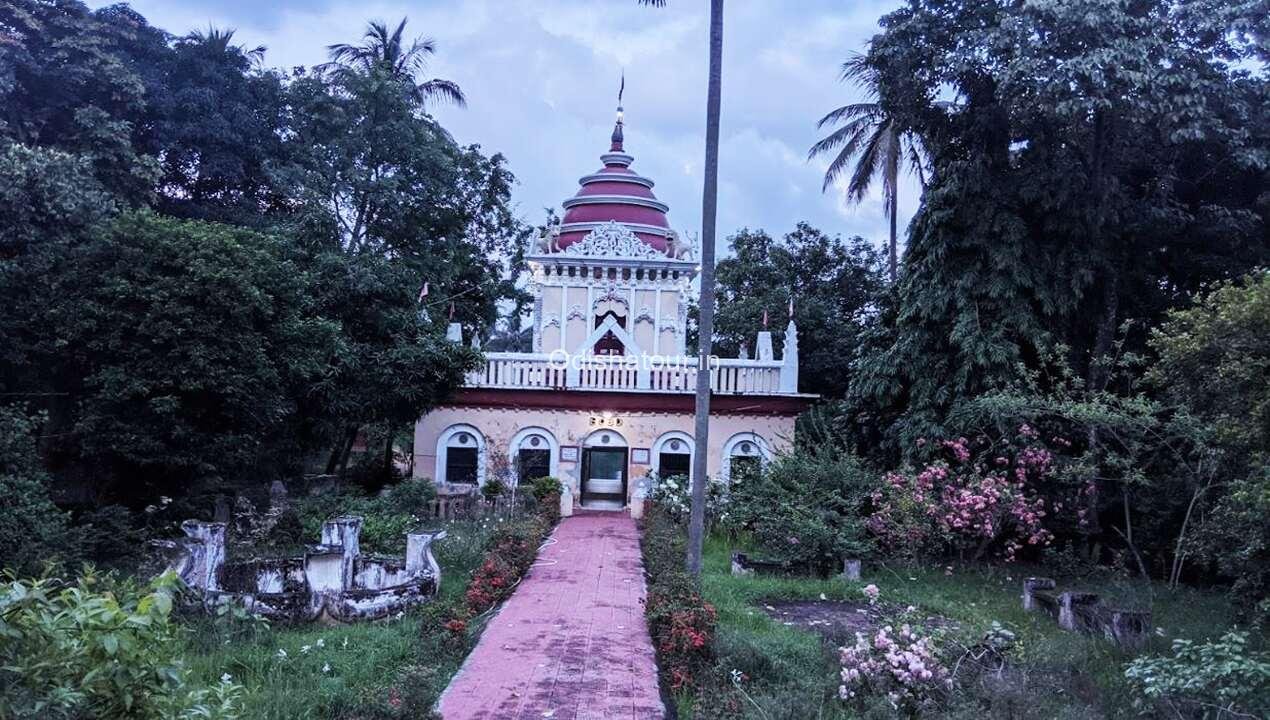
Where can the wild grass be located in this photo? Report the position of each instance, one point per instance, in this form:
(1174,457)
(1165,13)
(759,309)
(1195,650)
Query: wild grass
(790,674)
(381,669)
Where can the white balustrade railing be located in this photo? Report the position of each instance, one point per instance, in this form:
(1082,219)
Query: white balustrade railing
(666,375)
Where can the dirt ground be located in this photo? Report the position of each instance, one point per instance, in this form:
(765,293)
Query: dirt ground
(835,621)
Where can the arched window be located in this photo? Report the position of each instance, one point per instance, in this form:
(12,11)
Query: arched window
(461,455)
(534,453)
(744,455)
(672,454)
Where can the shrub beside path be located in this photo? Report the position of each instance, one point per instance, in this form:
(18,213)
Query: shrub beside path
(571,643)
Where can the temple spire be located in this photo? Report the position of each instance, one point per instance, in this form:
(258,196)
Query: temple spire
(616,145)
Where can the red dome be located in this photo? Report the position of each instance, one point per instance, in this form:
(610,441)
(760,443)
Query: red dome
(615,193)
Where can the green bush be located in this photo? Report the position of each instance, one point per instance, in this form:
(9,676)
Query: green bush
(806,508)
(413,496)
(98,650)
(492,488)
(544,486)
(1213,679)
(35,532)
(386,518)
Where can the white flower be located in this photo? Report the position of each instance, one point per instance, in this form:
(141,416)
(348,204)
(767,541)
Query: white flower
(282,654)
(326,667)
(321,642)
(305,649)
(345,642)
(226,678)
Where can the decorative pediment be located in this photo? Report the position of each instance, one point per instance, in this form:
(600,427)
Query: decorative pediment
(610,294)
(645,315)
(575,312)
(613,240)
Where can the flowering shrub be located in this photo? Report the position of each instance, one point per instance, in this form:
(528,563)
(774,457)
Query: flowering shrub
(674,495)
(903,667)
(680,621)
(509,554)
(872,592)
(967,500)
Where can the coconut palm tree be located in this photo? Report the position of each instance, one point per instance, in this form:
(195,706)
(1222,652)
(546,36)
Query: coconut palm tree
(221,41)
(382,50)
(709,213)
(876,141)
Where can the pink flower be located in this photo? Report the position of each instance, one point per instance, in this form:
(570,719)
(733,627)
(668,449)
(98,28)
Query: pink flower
(872,592)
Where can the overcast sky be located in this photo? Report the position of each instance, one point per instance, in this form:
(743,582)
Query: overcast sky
(541,81)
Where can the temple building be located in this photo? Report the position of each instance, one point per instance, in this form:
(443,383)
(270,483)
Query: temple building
(606,395)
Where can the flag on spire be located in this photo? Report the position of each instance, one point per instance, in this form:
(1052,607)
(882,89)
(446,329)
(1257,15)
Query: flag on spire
(764,318)
(451,309)
(791,306)
(424,292)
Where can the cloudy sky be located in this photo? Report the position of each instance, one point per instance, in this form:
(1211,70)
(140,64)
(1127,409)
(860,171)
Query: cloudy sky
(541,80)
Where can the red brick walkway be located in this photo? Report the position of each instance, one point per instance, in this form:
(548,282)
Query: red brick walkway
(571,643)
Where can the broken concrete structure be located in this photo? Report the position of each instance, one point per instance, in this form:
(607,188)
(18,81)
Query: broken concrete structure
(331,580)
(1084,612)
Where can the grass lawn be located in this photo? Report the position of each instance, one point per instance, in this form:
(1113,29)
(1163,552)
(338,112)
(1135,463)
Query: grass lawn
(380,669)
(791,673)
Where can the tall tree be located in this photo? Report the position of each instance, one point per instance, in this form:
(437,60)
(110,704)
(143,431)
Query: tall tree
(879,144)
(386,51)
(705,341)
(835,283)
(1098,166)
(82,81)
(220,127)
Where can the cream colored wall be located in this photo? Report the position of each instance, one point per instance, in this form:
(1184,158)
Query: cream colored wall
(551,336)
(669,344)
(571,428)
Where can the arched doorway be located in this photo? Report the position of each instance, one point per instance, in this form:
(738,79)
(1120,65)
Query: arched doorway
(604,469)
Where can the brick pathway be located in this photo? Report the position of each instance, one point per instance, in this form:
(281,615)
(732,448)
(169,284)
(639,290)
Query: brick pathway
(571,643)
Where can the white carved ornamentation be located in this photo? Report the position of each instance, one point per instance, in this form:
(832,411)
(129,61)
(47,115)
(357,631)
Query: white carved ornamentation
(550,320)
(575,312)
(612,240)
(610,294)
(670,326)
(645,315)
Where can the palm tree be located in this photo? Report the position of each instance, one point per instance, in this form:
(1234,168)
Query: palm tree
(221,41)
(709,213)
(868,133)
(382,50)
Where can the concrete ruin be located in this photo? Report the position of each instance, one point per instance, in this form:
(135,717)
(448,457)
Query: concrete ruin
(332,580)
(1085,613)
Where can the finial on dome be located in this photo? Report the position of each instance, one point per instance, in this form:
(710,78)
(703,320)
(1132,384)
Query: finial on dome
(616,145)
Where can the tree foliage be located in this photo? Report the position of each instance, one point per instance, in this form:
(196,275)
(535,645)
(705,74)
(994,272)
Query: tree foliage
(282,315)
(831,283)
(1096,163)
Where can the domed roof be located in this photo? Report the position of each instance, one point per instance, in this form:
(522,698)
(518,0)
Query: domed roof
(615,193)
